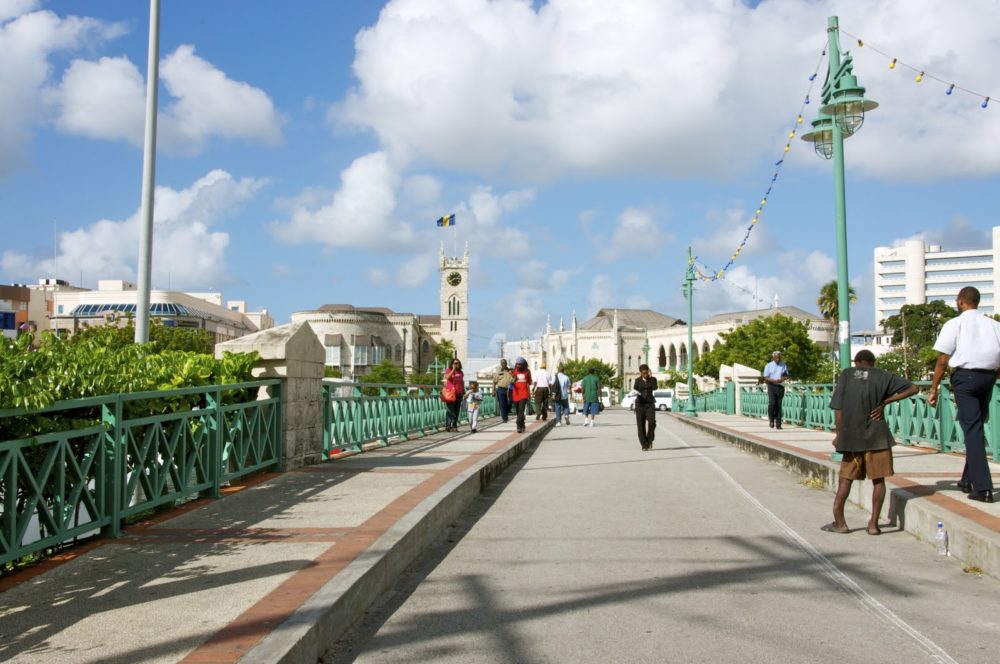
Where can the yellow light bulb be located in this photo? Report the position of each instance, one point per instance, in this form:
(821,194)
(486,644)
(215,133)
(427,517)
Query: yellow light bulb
(787,147)
(791,134)
(799,119)
(892,65)
(919,77)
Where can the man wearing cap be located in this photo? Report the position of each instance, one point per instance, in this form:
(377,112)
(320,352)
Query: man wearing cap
(775,375)
(970,345)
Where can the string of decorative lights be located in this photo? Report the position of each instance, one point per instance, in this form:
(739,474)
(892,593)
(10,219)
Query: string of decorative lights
(921,73)
(756,298)
(718,274)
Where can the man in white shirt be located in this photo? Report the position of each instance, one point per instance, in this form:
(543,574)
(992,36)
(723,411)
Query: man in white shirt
(970,345)
(775,374)
(542,381)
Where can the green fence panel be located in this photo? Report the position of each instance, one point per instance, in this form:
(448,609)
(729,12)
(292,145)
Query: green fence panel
(356,414)
(57,486)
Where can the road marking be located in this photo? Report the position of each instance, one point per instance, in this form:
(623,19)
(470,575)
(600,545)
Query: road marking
(868,602)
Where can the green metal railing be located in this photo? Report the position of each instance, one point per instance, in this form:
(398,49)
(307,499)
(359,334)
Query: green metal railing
(912,421)
(355,414)
(65,484)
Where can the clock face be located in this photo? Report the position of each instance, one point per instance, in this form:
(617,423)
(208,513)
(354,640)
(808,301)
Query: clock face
(454,279)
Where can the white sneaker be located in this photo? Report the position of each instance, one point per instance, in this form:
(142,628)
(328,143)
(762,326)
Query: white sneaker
(558,424)
(593,423)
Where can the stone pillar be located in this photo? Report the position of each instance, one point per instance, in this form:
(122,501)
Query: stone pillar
(293,353)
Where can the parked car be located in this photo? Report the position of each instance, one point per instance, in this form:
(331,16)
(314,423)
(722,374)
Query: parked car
(664,399)
(628,401)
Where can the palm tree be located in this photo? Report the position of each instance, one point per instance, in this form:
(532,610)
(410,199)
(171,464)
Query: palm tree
(829,306)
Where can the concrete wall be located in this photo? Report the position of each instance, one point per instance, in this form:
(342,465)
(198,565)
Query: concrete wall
(292,353)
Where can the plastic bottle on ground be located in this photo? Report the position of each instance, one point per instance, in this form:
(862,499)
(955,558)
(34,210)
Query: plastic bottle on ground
(941,540)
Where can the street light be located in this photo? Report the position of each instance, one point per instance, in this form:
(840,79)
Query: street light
(689,408)
(436,365)
(645,347)
(842,114)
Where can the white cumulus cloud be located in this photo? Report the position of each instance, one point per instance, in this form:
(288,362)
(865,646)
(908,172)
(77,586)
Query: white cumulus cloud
(186,251)
(106,100)
(538,90)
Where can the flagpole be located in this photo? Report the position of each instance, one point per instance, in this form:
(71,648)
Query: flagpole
(454,239)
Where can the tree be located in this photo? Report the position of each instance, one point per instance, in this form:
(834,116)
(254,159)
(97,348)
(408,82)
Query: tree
(577,369)
(416,378)
(752,344)
(918,325)
(829,306)
(385,372)
(445,352)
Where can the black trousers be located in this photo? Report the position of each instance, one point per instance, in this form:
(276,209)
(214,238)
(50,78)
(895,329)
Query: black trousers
(520,407)
(503,402)
(645,421)
(775,393)
(541,403)
(972,397)
(451,414)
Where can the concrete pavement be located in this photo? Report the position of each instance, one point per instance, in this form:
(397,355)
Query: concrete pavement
(280,567)
(270,573)
(922,493)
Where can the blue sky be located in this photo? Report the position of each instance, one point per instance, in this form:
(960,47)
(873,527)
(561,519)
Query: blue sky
(306,149)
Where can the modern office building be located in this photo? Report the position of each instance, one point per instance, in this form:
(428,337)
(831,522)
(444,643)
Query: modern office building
(114,301)
(917,273)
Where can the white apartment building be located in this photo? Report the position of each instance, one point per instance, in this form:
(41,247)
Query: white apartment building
(917,273)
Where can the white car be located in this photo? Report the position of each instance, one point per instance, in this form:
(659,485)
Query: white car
(664,399)
(628,401)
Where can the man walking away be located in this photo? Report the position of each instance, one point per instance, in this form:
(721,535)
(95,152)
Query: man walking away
(645,407)
(591,385)
(970,345)
(542,381)
(775,374)
(560,397)
(862,434)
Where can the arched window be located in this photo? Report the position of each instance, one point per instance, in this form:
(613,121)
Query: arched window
(661,359)
(673,357)
(629,361)
(398,353)
(426,347)
(454,306)
(705,348)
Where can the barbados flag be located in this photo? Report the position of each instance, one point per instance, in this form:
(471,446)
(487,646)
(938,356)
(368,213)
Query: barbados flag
(445,222)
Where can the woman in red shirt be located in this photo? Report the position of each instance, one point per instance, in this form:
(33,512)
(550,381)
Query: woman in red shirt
(454,377)
(522,390)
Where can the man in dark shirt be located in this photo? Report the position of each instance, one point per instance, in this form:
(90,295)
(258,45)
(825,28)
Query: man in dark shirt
(862,434)
(645,406)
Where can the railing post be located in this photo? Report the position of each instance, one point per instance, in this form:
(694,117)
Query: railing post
(383,405)
(993,431)
(945,422)
(327,421)
(213,400)
(112,467)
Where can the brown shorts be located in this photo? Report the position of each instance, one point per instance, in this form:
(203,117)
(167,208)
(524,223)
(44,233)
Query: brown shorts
(873,465)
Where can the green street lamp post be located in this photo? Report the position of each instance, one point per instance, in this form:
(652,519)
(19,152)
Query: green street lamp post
(645,348)
(842,114)
(437,366)
(621,366)
(689,277)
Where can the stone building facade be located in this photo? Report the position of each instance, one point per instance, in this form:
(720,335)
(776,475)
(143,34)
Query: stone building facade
(626,338)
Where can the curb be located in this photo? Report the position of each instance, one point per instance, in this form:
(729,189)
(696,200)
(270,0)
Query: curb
(324,617)
(968,542)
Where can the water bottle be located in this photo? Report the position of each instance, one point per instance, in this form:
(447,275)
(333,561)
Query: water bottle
(941,539)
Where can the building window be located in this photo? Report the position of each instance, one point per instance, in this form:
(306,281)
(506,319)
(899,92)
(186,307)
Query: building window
(961,259)
(378,354)
(333,356)
(893,288)
(426,347)
(59,309)
(891,264)
(360,355)
(971,272)
(399,353)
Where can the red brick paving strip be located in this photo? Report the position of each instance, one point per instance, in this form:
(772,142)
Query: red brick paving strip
(236,639)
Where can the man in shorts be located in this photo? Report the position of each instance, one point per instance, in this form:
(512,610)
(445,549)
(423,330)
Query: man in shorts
(591,397)
(862,434)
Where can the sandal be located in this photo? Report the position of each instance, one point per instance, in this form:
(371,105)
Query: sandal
(832,527)
(874,531)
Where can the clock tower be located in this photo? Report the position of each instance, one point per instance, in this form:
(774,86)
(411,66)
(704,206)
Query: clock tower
(455,302)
